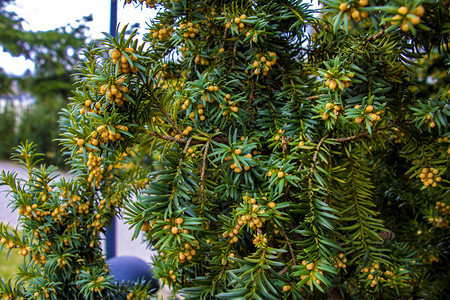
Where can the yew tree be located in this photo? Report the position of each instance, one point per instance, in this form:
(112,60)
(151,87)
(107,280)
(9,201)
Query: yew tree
(265,150)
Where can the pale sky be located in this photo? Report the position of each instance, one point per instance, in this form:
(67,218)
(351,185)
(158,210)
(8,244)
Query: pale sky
(50,14)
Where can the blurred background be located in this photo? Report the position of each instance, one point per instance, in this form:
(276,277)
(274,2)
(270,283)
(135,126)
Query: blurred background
(39,49)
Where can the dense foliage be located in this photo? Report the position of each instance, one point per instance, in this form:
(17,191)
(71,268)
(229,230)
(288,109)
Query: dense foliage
(295,155)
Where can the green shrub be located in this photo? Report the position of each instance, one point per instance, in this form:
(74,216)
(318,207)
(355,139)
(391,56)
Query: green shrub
(287,164)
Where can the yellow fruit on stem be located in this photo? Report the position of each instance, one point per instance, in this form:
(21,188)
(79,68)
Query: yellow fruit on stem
(419,11)
(415,20)
(403,10)
(363,3)
(405,27)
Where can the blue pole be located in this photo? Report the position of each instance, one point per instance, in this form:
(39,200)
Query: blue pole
(111,231)
(113,21)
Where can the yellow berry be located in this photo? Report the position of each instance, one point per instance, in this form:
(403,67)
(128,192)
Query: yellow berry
(419,11)
(369,108)
(403,10)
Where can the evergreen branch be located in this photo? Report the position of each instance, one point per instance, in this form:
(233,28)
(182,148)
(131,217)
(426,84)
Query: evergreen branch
(357,204)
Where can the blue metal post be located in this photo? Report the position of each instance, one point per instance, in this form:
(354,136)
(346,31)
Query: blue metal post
(111,231)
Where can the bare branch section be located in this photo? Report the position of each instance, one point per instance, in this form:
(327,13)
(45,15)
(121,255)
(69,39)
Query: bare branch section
(354,137)
(313,165)
(167,137)
(375,37)
(168,117)
(291,250)
(202,175)
(163,111)
(186,147)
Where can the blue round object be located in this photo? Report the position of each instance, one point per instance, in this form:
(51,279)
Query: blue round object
(130,269)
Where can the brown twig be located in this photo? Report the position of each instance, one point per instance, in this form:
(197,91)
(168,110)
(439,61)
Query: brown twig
(224,37)
(374,37)
(202,175)
(186,147)
(315,97)
(354,137)
(313,165)
(166,137)
(168,117)
(163,111)
(294,259)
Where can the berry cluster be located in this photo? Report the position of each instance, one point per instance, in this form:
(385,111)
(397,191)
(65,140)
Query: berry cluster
(263,64)
(310,266)
(201,60)
(90,106)
(353,12)
(442,208)
(189,30)
(333,83)
(369,112)
(373,274)
(429,177)
(95,168)
(228,105)
(188,253)
(237,21)
(122,57)
(33,212)
(405,17)
(161,34)
(207,95)
(115,93)
(341,261)
(333,109)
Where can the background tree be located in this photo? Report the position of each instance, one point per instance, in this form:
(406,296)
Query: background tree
(54,54)
(295,156)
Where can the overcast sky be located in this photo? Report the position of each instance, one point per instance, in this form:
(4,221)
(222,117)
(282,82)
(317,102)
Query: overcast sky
(50,14)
